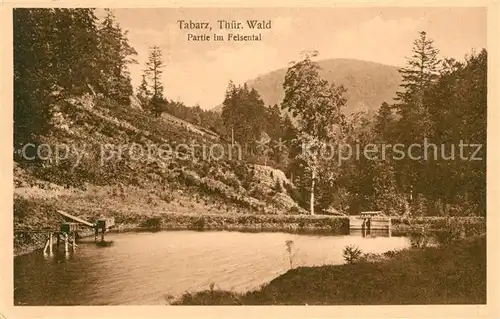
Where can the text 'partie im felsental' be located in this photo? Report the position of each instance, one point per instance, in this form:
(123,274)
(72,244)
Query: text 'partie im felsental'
(225,30)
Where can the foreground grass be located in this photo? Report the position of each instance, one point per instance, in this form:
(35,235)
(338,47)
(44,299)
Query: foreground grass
(450,274)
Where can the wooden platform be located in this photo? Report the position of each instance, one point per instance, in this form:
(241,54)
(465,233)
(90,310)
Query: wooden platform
(370,220)
(356,223)
(74,218)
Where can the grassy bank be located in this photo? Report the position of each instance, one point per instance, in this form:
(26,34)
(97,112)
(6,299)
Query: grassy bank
(449,274)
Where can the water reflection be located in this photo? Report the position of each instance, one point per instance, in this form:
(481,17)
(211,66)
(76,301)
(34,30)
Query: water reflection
(371,233)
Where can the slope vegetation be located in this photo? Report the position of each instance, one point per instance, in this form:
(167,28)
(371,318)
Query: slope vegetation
(115,167)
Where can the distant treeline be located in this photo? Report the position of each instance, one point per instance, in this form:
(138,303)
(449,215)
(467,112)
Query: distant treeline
(205,118)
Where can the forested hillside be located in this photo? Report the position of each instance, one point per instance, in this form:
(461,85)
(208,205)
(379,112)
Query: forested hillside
(424,153)
(368,84)
(87,152)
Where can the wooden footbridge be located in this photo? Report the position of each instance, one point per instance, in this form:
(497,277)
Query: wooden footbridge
(69,229)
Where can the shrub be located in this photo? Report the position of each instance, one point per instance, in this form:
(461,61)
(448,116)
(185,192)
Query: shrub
(190,178)
(208,297)
(351,254)
(453,231)
(289,248)
(229,181)
(244,174)
(198,224)
(391,201)
(464,208)
(278,188)
(166,196)
(258,192)
(21,207)
(420,239)
(420,206)
(153,223)
(204,169)
(107,102)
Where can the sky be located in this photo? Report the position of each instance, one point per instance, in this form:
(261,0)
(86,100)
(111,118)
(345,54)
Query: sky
(197,72)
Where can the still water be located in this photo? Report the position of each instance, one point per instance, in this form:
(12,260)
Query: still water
(145,268)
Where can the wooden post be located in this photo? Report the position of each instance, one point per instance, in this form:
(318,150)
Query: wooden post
(390,227)
(232,136)
(58,241)
(50,244)
(311,201)
(45,247)
(74,241)
(65,242)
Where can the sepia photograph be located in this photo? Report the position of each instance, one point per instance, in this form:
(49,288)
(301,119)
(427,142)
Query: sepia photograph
(312,156)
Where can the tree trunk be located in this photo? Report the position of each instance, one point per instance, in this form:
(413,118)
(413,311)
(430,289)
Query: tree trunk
(232,137)
(313,176)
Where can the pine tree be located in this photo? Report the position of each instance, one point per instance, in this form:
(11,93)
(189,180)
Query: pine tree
(115,56)
(127,53)
(76,46)
(274,122)
(416,124)
(154,72)
(244,114)
(417,77)
(229,112)
(143,93)
(384,122)
(421,70)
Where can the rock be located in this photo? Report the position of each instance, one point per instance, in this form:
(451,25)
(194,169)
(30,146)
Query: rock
(268,175)
(135,103)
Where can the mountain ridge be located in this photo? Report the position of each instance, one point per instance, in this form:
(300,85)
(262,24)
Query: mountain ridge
(368,83)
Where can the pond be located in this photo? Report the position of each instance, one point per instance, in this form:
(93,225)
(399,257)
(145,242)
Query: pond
(145,268)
